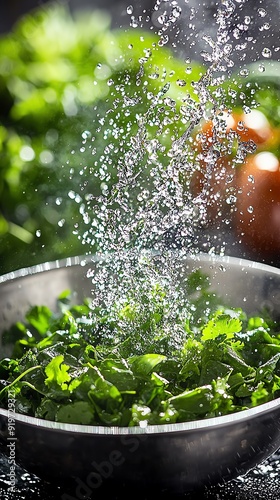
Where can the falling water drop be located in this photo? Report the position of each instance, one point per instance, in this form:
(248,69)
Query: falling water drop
(148,206)
(266,26)
(181,83)
(163,40)
(244,72)
(162,19)
(262,12)
(266,52)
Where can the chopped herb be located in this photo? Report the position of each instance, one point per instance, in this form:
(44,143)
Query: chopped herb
(125,367)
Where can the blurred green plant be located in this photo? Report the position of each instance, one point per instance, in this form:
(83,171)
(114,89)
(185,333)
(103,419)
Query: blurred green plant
(60,76)
(71,94)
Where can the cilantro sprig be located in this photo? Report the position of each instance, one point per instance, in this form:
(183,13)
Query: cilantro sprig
(144,362)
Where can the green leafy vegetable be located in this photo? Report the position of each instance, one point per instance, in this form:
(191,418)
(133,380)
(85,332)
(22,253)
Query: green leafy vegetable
(223,324)
(86,366)
(57,373)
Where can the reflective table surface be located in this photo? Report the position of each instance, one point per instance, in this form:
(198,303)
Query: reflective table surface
(261,483)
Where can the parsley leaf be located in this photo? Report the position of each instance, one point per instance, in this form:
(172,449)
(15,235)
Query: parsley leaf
(57,373)
(223,324)
(145,361)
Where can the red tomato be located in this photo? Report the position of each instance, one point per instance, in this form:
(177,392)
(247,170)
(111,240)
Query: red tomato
(214,187)
(256,127)
(252,126)
(257,218)
(219,187)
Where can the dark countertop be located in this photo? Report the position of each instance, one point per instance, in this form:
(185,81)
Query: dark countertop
(261,483)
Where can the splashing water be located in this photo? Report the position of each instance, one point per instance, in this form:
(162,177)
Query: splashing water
(145,217)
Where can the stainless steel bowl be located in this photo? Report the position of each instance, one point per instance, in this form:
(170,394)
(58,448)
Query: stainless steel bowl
(171,457)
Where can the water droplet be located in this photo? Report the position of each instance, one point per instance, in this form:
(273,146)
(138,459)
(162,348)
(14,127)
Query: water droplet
(162,19)
(153,76)
(145,194)
(181,83)
(163,40)
(58,201)
(251,178)
(38,233)
(134,23)
(86,134)
(229,178)
(250,209)
(266,26)
(232,93)
(261,68)
(236,33)
(143,423)
(246,110)
(176,11)
(150,205)
(228,49)
(147,52)
(244,72)
(266,52)
(262,12)
(206,56)
(231,199)
(169,102)
(240,126)
(184,110)
(71,195)
(250,146)
(61,222)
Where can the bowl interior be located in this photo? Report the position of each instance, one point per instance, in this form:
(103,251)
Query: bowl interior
(240,283)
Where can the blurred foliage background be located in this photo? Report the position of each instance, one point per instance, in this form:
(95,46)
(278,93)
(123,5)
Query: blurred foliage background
(54,73)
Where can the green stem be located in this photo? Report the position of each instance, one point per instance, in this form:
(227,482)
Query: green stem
(19,378)
(33,387)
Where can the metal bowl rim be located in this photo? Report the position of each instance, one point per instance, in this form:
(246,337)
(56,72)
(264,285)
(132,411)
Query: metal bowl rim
(84,260)
(203,424)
